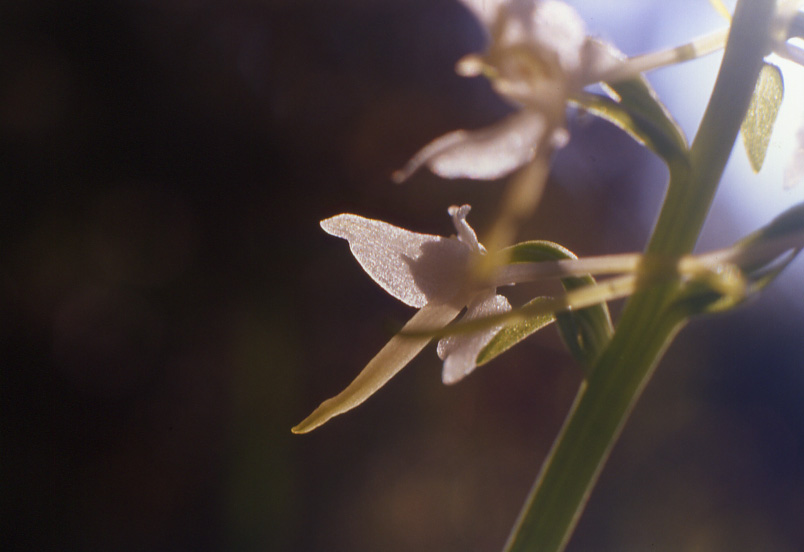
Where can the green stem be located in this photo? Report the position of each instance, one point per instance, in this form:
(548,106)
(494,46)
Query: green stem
(647,325)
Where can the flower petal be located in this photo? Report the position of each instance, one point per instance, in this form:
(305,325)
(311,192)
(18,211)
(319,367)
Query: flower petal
(396,354)
(485,154)
(794,173)
(415,268)
(557,27)
(459,352)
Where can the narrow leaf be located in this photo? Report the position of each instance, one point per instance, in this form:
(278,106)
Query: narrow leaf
(783,233)
(634,107)
(515,332)
(640,99)
(758,123)
(585,331)
(789,222)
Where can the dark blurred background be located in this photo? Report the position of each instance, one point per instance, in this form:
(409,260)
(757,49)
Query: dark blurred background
(170,307)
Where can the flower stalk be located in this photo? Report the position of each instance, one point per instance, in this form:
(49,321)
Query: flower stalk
(701,46)
(650,319)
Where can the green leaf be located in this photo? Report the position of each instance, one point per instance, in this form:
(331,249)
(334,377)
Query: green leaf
(634,107)
(789,222)
(513,333)
(700,297)
(785,229)
(758,123)
(585,331)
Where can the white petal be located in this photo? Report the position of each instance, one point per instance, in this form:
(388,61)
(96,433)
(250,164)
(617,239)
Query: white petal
(415,268)
(786,11)
(485,154)
(460,351)
(396,354)
(557,27)
(794,173)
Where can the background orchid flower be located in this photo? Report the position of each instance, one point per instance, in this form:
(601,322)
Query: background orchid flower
(794,173)
(790,23)
(538,56)
(434,274)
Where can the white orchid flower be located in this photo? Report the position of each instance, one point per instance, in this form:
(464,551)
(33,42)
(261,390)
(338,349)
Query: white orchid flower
(794,173)
(790,23)
(539,55)
(437,275)
(432,273)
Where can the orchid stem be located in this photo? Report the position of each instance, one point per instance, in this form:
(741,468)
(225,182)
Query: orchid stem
(649,321)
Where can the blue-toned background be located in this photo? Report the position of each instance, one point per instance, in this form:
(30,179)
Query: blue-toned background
(170,307)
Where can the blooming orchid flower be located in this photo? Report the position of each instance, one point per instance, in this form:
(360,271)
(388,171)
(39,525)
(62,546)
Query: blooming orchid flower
(794,173)
(432,273)
(436,275)
(538,57)
(790,23)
